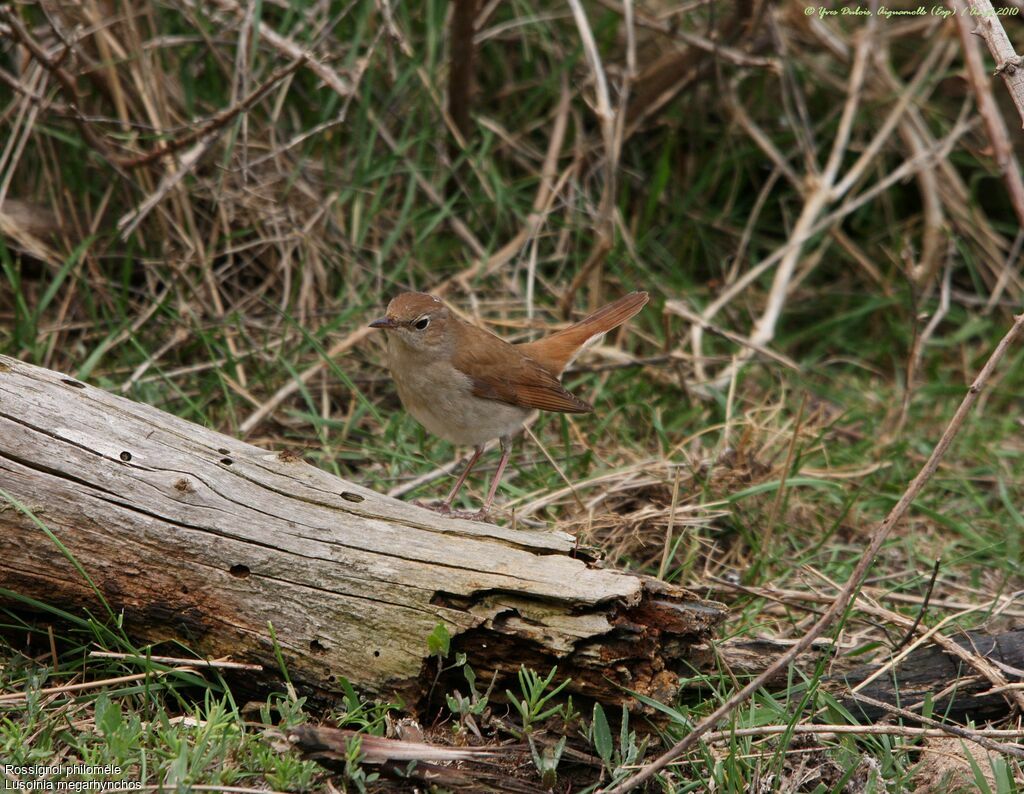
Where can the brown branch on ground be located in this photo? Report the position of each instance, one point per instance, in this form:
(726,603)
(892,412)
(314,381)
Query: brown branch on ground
(407,761)
(953,730)
(864,730)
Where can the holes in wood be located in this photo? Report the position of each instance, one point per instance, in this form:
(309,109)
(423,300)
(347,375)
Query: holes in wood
(125,456)
(376,654)
(223,451)
(317,647)
(348,496)
(226,461)
(239,571)
(73,383)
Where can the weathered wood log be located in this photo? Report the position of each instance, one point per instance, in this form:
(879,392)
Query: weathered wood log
(195,536)
(959,692)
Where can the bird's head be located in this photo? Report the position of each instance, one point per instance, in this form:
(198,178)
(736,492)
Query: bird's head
(418,321)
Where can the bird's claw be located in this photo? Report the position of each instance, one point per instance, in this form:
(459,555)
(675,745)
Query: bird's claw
(438,507)
(466,515)
(445,509)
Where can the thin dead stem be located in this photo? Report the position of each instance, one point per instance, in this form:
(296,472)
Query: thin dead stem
(1008,63)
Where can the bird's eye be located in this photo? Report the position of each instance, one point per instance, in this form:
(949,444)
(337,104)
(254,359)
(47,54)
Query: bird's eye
(422,323)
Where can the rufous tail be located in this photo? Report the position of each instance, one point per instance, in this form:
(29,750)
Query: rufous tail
(554,352)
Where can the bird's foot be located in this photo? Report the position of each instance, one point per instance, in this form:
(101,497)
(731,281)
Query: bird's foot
(483,514)
(469,515)
(445,509)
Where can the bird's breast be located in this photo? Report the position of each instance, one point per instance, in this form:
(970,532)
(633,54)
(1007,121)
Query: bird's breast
(441,398)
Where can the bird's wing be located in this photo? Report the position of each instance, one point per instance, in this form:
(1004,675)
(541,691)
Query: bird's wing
(500,371)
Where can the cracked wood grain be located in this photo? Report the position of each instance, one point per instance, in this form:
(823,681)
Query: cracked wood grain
(200,538)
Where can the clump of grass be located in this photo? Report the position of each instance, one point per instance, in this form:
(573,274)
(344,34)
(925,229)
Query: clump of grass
(150,722)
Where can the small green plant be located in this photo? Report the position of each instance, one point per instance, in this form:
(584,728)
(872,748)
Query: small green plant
(354,772)
(468,708)
(546,761)
(289,708)
(121,733)
(287,772)
(615,760)
(196,750)
(439,644)
(532,706)
(439,641)
(365,716)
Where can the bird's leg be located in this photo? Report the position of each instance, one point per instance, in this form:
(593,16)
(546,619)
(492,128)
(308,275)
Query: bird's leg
(506,451)
(446,505)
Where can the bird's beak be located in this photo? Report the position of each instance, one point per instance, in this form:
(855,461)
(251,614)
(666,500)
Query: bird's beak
(384,322)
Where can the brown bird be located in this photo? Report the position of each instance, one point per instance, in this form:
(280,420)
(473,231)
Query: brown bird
(468,386)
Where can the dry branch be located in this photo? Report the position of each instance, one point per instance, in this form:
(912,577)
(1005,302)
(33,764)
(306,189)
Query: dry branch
(957,692)
(934,671)
(197,537)
(1008,63)
(432,763)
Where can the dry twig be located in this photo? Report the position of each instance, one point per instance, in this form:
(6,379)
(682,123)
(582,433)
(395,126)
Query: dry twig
(1008,63)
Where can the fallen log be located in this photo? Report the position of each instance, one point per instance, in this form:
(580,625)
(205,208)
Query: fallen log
(196,537)
(958,692)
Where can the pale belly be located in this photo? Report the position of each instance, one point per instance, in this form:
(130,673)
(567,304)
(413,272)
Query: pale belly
(440,398)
